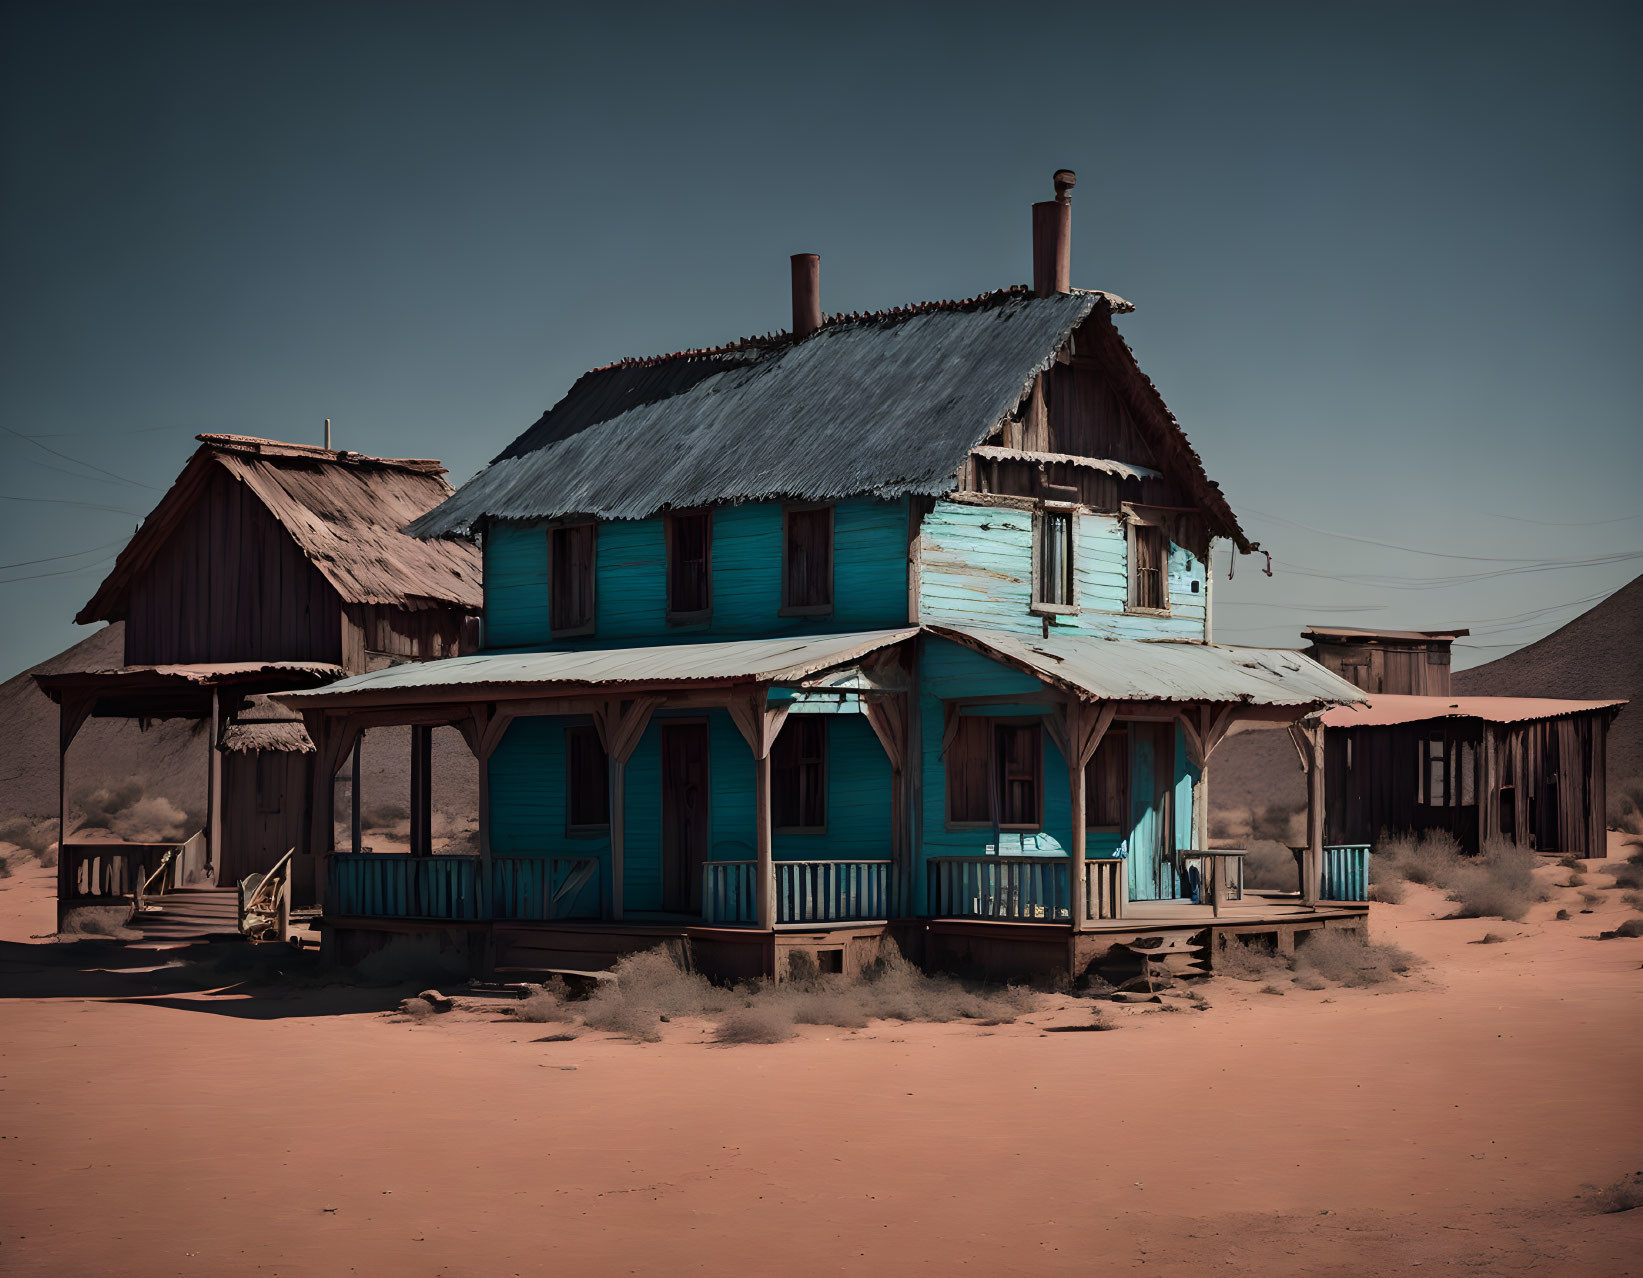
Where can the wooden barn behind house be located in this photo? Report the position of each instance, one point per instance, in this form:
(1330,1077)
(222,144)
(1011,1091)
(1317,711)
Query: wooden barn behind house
(265,567)
(1529,770)
(893,629)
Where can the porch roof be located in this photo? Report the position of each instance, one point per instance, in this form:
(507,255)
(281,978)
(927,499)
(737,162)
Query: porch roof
(1387,709)
(493,676)
(1164,670)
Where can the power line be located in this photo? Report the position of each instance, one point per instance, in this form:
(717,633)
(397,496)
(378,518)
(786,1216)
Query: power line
(59,572)
(51,559)
(124,479)
(64,501)
(1388,545)
(1384,582)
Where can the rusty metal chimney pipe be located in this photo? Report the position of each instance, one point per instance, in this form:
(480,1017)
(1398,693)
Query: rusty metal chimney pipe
(807,313)
(1053,238)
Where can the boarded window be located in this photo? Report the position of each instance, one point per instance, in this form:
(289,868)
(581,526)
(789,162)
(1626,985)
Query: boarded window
(1149,567)
(571,557)
(1107,783)
(587,780)
(969,773)
(1019,756)
(1053,573)
(798,774)
(807,560)
(689,566)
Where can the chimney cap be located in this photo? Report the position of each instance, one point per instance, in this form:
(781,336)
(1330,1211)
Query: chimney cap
(1065,180)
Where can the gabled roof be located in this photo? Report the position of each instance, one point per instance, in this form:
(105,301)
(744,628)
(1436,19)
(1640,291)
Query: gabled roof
(345,511)
(1385,709)
(886,405)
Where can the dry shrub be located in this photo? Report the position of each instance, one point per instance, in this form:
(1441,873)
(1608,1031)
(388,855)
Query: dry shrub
(1388,891)
(1348,957)
(762,1023)
(648,987)
(1589,900)
(1497,883)
(1310,981)
(417,1010)
(1274,989)
(1248,961)
(541,1008)
(36,838)
(1571,862)
(828,1007)
(1625,805)
(1575,880)
(1633,899)
(1628,874)
(1625,1194)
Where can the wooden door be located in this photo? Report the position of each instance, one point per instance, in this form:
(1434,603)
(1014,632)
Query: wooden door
(684,815)
(1151,841)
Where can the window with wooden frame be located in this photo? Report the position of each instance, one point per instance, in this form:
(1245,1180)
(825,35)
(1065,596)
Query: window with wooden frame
(587,781)
(1107,784)
(689,567)
(572,557)
(1149,568)
(798,775)
(1053,590)
(807,561)
(995,774)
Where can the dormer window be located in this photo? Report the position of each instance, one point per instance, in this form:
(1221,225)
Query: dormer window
(807,561)
(572,553)
(1053,588)
(1149,568)
(689,567)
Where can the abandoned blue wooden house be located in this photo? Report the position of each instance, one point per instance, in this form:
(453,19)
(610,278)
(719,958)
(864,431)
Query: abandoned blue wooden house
(893,629)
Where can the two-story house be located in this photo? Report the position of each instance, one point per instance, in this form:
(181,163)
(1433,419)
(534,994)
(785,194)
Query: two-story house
(893,627)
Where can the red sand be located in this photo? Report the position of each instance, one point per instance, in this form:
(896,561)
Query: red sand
(1442,1126)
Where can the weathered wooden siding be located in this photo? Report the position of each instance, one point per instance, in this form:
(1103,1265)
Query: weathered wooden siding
(420,634)
(869,577)
(527,796)
(976,570)
(264,810)
(229,584)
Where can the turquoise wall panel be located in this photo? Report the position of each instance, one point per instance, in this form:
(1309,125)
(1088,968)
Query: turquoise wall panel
(516,586)
(869,578)
(976,570)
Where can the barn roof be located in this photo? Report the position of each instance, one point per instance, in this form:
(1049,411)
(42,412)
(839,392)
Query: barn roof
(1386,709)
(1404,636)
(886,405)
(344,510)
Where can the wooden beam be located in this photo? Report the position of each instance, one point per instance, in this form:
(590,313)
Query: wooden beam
(213,785)
(356,822)
(1313,859)
(620,724)
(1078,728)
(760,723)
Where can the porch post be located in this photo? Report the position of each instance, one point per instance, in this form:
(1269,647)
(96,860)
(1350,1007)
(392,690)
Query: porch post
(1311,879)
(72,713)
(759,724)
(620,725)
(888,715)
(422,790)
(356,824)
(332,738)
(1077,730)
(213,787)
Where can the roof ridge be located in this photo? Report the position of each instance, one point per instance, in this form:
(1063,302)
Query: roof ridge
(838,320)
(255,446)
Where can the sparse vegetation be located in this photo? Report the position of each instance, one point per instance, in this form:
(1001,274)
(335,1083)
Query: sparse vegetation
(1625,805)
(126,810)
(1499,882)
(762,1023)
(1348,957)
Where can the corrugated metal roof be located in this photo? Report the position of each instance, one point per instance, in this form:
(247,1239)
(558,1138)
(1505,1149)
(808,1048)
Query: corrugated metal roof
(345,511)
(1386,709)
(883,405)
(759,660)
(1152,670)
(201,673)
(1342,632)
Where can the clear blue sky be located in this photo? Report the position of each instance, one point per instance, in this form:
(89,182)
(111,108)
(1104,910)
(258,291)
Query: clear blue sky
(1386,257)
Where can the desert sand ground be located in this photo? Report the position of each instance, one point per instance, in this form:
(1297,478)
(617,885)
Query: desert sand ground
(1444,1124)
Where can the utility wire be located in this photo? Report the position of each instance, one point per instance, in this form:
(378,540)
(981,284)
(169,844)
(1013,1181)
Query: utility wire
(1388,545)
(51,559)
(59,572)
(124,479)
(64,501)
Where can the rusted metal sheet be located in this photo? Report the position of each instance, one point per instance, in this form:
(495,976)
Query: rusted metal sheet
(757,660)
(1153,670)
(1387,709)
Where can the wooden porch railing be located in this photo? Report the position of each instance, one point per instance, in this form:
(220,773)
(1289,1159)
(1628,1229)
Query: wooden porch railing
(806,891)
(114,872)
(541,888)
(1106,887)
(1346,873)
(1016,888)
(399,886)
(832,891)
(730,892)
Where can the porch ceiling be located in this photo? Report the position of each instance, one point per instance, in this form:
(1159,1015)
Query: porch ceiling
(499,676)
(1156,670)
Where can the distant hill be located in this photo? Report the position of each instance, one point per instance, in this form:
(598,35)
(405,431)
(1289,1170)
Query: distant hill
(168,761)
(1597,656)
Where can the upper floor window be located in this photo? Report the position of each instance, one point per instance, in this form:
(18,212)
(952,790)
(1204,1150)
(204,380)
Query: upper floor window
(798,775)
(995,774)
(1107,783)
(1053,560)
(689,567)
(587,779)
(807,561)
(1149,568)
(572,555)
